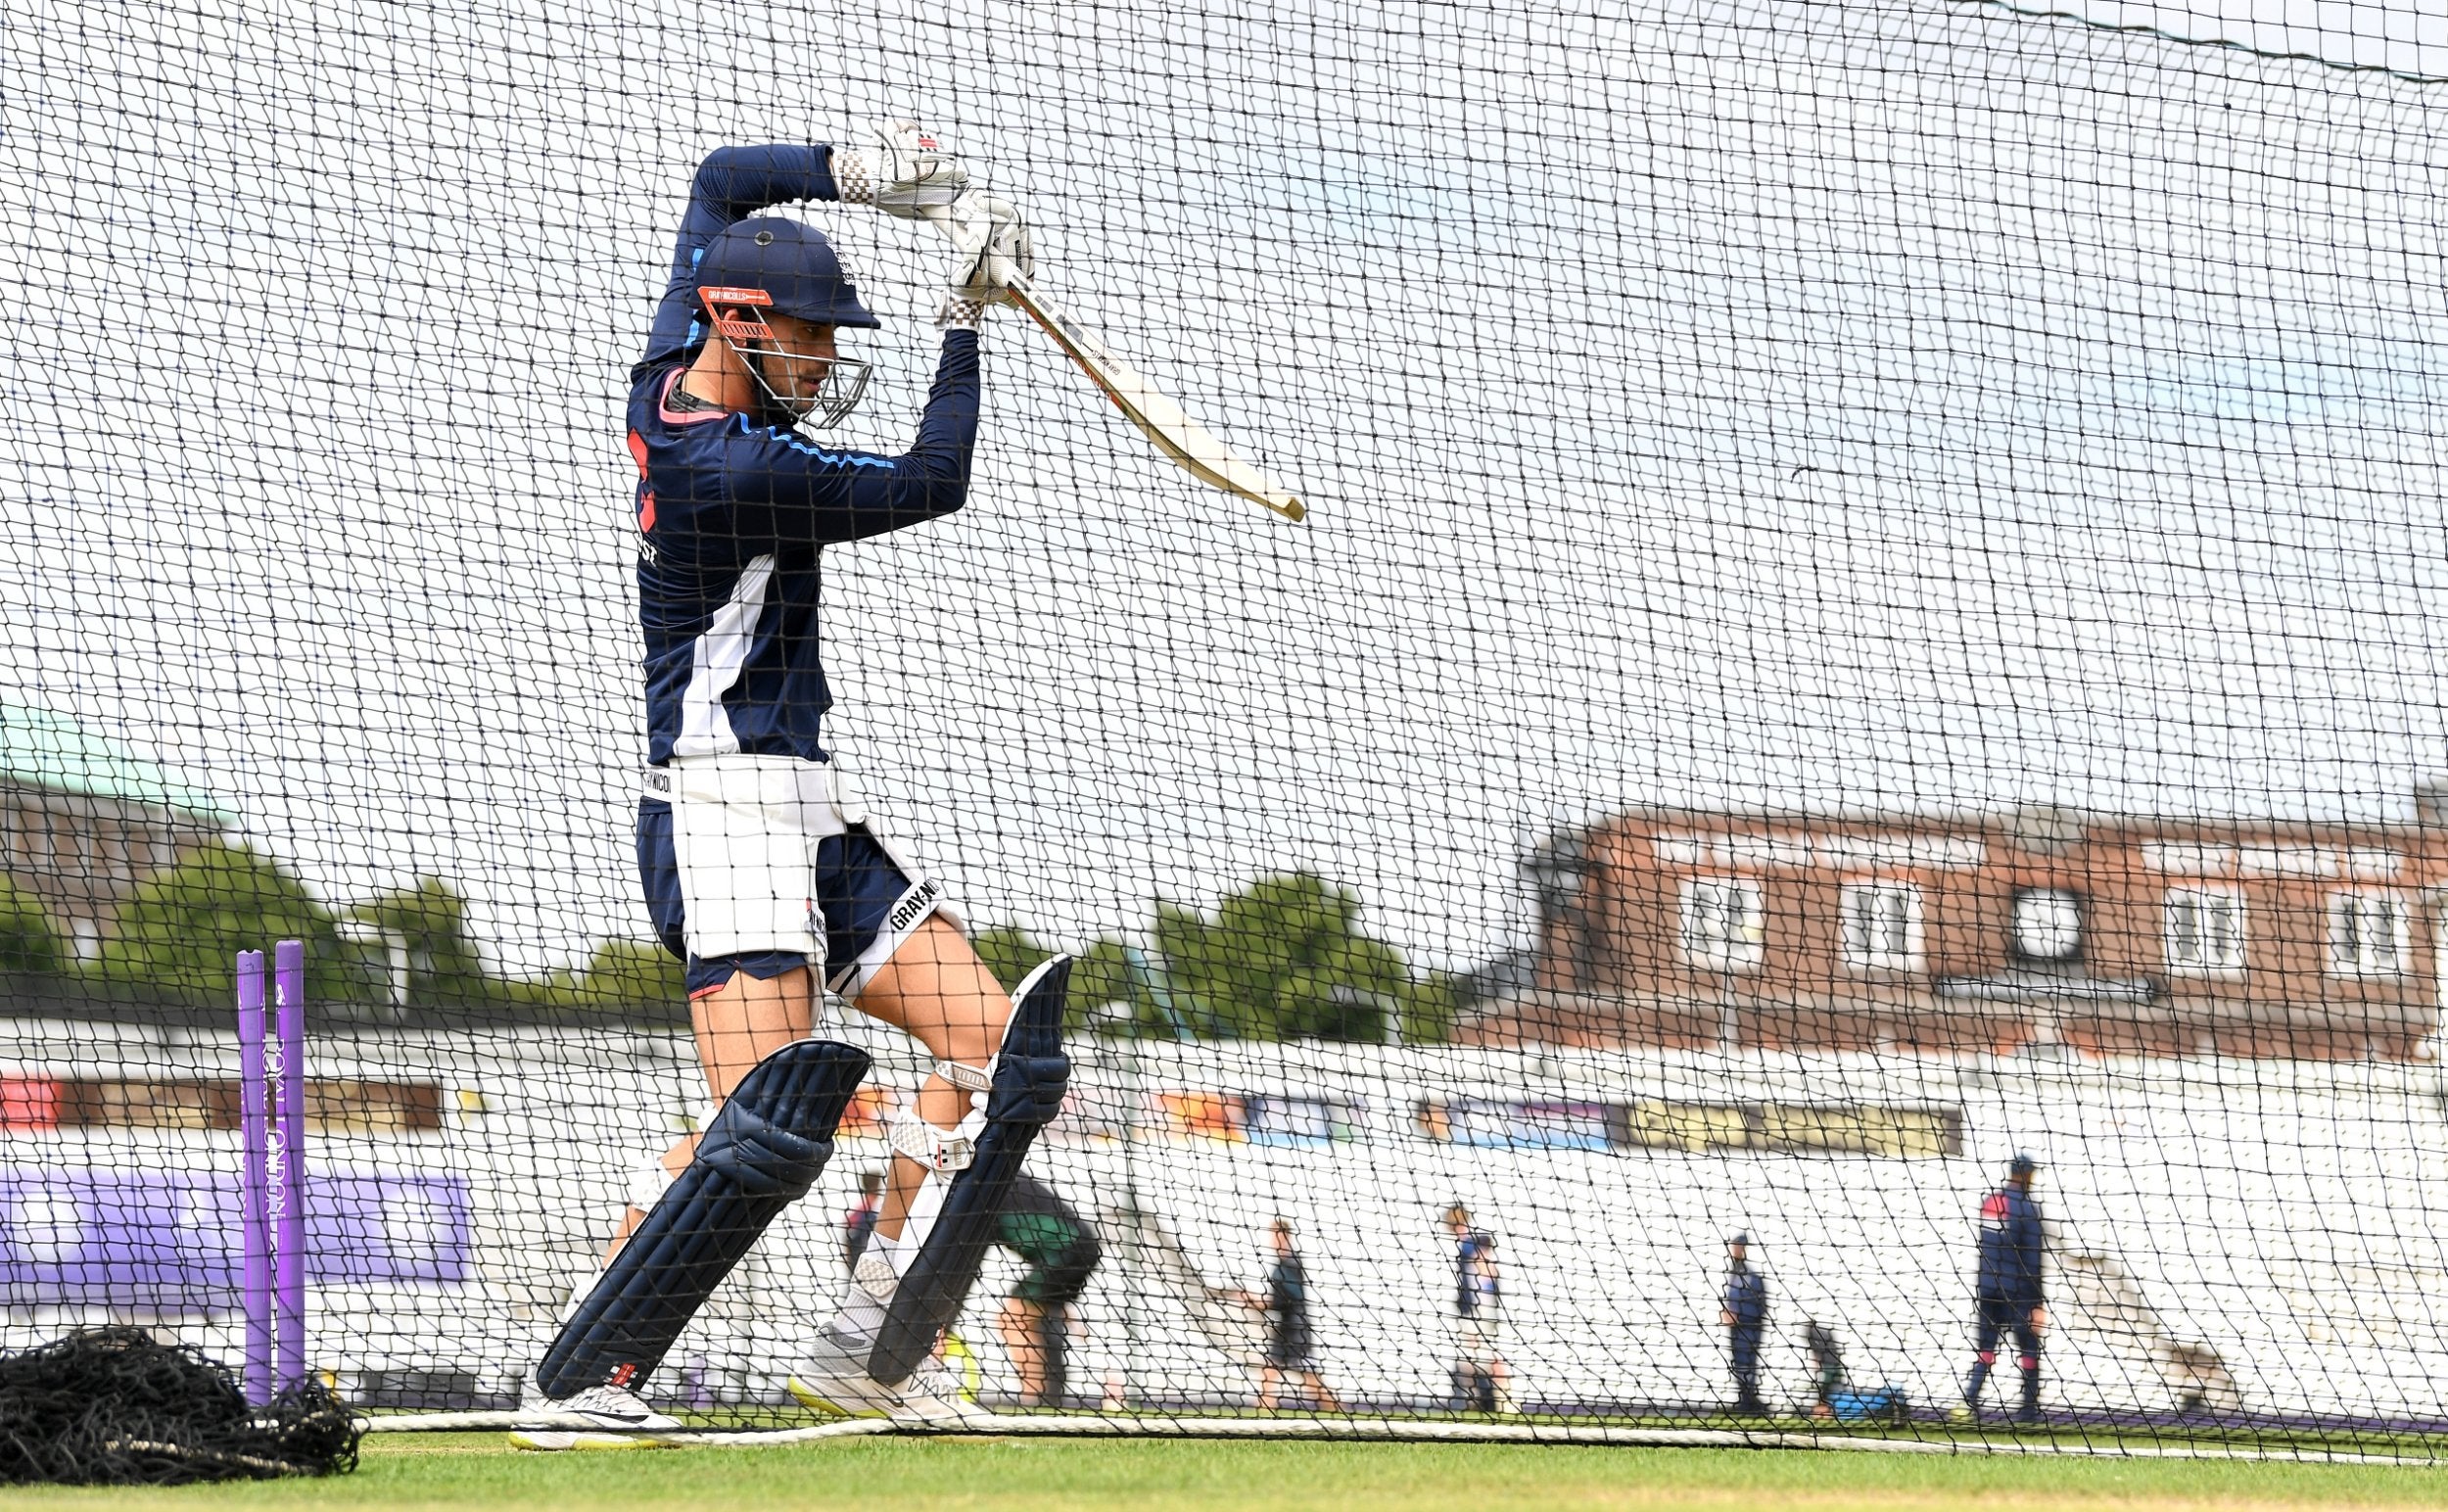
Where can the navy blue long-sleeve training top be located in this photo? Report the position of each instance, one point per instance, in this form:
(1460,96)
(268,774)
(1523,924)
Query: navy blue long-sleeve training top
(732,513)
(2012,1245)
(1478,1289)
(1747,1297)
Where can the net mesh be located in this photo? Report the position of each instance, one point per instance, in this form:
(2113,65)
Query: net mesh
(1865,610)
(113,1406)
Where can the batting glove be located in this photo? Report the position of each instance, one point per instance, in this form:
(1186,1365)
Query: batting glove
(913,173)
(993,244)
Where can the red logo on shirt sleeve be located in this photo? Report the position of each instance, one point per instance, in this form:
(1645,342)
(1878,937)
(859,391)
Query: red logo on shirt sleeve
(646,496)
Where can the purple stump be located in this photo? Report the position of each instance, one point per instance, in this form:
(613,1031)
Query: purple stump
(288,1150)
(258,1284)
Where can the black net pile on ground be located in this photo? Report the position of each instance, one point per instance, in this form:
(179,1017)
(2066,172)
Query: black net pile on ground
(110,1406)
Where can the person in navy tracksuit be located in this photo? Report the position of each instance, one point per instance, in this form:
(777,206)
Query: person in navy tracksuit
(2009,1297)
(1480,1376)
(1745,1313)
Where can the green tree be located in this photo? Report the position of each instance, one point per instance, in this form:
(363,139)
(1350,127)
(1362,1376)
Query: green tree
(26,943)
(1105,974)
(1010,953)
(446,971)
(1283,958)
(630,973)
(1112,973)
(430,917)
(180,930)
(1428,1006)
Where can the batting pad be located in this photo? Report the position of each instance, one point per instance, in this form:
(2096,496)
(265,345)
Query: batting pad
(1031,1073)
(761,1153)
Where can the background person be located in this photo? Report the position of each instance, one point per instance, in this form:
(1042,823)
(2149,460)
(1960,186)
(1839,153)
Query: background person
(1481,1378)
(858,1225)
(1745,1314)
(2008,1295)
(1061,1252)
(1827,1366)
(1291,1344)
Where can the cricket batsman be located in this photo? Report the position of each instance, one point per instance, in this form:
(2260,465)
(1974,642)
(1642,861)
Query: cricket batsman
(760,868)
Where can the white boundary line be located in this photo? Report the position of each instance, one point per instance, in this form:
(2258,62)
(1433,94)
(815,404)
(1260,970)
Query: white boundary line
(476,1422)
(442,1422)
(1410,1430)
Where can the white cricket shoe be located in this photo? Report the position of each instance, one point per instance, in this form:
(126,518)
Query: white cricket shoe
(600,1417)
(835,1382)
(933,1395)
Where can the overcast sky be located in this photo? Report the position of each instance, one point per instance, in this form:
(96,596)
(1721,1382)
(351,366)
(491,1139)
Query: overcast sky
(1895,404)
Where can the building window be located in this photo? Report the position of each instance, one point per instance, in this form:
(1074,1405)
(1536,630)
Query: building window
(2048,925)
(2205,929)
(1724,924)
(1881,925)
(2370,934)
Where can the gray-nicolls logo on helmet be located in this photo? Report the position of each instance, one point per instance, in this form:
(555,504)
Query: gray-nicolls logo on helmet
(771,266)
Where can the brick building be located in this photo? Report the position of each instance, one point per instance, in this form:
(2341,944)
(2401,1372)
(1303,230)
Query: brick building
(2110,934)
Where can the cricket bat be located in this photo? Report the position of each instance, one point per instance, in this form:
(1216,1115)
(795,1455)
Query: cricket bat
(1143,405)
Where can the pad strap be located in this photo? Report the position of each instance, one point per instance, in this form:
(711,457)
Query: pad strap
(933,1147)
(648,1182)
(967,1077)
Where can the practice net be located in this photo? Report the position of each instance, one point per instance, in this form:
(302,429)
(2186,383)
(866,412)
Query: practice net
(1865,610)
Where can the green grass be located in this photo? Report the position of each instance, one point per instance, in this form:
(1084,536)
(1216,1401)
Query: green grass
(872,1475)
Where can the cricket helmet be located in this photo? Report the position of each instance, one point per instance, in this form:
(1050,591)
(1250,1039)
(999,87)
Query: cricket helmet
(766,263)
(792,262)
